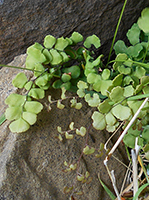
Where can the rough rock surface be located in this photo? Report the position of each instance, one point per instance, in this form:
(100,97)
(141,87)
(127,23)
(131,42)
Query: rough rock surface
(31,163)
(23,22)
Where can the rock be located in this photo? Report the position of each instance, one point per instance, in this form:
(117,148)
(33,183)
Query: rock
(24,22)
(32,163)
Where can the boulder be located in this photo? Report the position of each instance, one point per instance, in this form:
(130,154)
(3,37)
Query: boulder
(24,22)
(32,163)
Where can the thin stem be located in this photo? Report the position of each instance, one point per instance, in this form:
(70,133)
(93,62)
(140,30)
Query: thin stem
(19,68)
(116,30)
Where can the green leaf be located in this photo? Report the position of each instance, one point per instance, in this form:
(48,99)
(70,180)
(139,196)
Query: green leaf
(56,57)
(92,101)
(66,85)
(47,55)
(140,190)
(120,47)
(12,113)
(19,126)
(110,119)
(69,136)
(88,150)
(111,195)
(2,119)
(99,121)
(92,40)
(78,106)
(121,112)
(117,80)
(61,44)
(104,107)
(112,128)
(145,135)
(105,74)
(81,132)
(74,71)
(37,93)
(36,54)
(29,117)
(92,78)
(65,57)
(124,70)
(42,80)
(139,72)
(57,84)
(63,96)
(15,100)
(133,34)
(76,37)
(28,85)
(20,80)
(71,125)
(128,91)
(116,94)
(102,86)
(60,105)
(134,51)
(49,41)
(39,67)
(33,107)
(143,20)
(120,56)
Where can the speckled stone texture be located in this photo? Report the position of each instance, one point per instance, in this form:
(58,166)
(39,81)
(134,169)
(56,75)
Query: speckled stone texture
(23,22)
(31,163)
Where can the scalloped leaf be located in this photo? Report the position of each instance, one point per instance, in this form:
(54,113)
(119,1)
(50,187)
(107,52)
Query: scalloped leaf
(15,100)
(92,40)
(117,80)
(42,80)
(49,41)
(139,72)
(124,70)
(133,34)
(76,37)
(65,57)
(128,91)
(61,44)
(20,80)
(29,117)
(12,113)
(92,78)
(19,126)
(92,101)
(36,54)
(33,106)
(48,56)
(37,93)
(40,69)
(135,50)
(99,121)
(142,21)
(121,112)
(74,71)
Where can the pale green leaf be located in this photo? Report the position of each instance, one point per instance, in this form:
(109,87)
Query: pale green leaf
(92,101)
(121,112)
(71,125)
(124,70)
(81,132)
(29,117)
(19,126)
(104,107)
(37,93)
(117,80)
(12,113)
(60,105)
(139,72)
(15,100)
(110,119)
(33,107)
(69,136)
(116,94)
(2,119)
(120,47)
(88,150)
(49,41)
(128,91)
(105,74)
(20,80)
(99,121)
(39,67)
(134,51)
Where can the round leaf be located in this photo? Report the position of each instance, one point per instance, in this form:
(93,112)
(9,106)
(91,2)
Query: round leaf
(31,118)
(12,113)
(20,80)
(49,41)
(37,93)
(116,94)
(61,44)
(19,126)
(92,40)
(121,112)
(99,121)
(15,100)
(76,37)
(33,106)
(56,57)
(142,21)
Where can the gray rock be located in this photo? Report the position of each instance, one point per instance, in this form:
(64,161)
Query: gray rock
(32,163)
(24,22)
